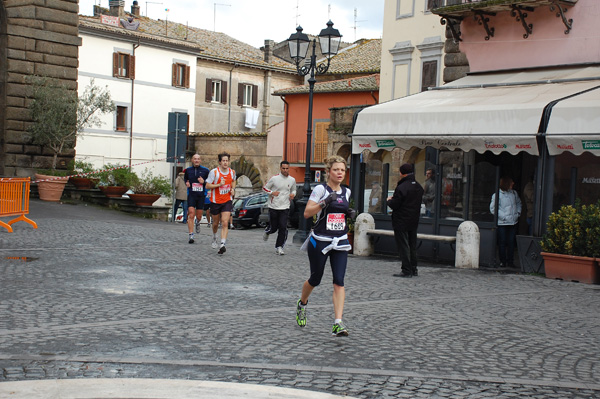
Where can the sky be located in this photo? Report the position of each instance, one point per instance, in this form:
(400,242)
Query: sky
(254,21)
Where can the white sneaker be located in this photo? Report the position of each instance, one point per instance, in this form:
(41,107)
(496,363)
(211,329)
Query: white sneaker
(279,251)
(197,227)
(265,236)
(214,244)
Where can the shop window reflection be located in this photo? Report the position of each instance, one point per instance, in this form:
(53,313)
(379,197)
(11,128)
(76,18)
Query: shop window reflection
(452,188)
(576,177)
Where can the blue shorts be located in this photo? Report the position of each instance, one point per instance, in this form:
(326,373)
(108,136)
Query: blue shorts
(337,259)
(196,200)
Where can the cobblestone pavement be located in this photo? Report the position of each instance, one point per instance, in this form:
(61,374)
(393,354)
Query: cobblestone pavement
(98,293)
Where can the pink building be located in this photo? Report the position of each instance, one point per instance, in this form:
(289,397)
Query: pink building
(529,109)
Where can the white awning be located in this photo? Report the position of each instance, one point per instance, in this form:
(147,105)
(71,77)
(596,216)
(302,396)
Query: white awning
(575,124)
(490,112)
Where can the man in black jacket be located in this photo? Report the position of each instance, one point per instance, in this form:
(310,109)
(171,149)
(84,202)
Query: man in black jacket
(406,209)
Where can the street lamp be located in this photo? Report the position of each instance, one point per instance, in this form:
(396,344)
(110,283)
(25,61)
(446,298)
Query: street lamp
(298,43)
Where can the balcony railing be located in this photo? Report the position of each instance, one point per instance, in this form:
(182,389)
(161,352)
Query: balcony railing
(454,11)
(296,152)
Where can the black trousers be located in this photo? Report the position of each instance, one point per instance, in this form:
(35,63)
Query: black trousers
(407,250)
(278,219)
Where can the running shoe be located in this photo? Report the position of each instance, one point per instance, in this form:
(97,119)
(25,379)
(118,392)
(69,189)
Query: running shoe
(222,249)
(197,226)
(279,251)
(339,330)
(265,236)
(214,244)
(300,314)
(191,240)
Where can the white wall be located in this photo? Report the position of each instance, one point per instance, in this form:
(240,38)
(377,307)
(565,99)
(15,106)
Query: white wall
(153,99)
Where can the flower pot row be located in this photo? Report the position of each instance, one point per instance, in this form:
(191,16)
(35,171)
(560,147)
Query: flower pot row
(572,268)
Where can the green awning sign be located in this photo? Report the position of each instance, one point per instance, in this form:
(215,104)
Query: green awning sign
(385,143)
(590,144)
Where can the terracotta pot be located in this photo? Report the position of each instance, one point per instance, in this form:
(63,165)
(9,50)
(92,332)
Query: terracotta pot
(82,183)
(144,199)
(51,190)
(114,191)
(571,268)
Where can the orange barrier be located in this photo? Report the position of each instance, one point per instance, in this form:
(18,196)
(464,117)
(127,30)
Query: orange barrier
(14,200)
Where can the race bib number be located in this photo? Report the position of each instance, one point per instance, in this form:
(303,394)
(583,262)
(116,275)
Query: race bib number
(197,187)
(336,221)
(225,188)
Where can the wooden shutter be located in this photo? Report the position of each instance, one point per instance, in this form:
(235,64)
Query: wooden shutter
(115,64)
(254,96)
(320,141)
(186,81)
(208,96)
(223,92)
(241,88)
(131,67)
(429,77)
(174,75)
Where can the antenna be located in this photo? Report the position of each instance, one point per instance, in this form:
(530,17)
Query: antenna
(355,21)
(297,11)
(329,11)
(215,14)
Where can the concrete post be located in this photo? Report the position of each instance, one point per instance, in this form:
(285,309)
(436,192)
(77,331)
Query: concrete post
(362,242)
(467,246)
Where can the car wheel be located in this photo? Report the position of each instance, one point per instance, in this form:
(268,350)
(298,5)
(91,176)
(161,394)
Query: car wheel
(261,224)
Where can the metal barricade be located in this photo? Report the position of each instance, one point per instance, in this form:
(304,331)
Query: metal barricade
(14,201)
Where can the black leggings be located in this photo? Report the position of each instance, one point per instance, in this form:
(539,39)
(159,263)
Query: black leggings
(338,260)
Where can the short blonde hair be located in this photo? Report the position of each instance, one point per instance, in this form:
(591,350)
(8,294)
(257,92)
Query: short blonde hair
(334,159)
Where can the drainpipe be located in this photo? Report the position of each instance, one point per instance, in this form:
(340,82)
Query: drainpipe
(135,45)
(374,98)
(285,127)
(230,99)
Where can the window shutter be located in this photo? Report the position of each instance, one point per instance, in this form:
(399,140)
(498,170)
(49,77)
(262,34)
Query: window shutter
(186,81)
(208,96)
(174,74)
(223,92)
(115,64)
(429,76)
(240,94)
(320,141)
(254,96)
(131,67)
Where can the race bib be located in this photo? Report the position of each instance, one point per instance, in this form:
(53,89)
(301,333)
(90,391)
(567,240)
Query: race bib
(336,221)
(225,188)
(197,187)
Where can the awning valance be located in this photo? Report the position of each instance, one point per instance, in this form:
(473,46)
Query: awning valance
(493,112)
(574,124)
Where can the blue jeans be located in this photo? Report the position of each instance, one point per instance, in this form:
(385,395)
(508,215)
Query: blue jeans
(506,244)
(185,209)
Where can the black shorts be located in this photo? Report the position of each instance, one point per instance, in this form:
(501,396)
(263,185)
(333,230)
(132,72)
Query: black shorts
(196,201)
(216,209)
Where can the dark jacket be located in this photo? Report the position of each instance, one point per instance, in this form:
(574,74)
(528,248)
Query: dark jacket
(406,204)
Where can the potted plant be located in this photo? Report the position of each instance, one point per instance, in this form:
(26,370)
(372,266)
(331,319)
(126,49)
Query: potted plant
(81,175)
(116,179)
(571,243)
(148,188)
(58,117)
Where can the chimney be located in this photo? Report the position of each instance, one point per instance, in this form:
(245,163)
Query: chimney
(135,8)
(117,7)
(269,44)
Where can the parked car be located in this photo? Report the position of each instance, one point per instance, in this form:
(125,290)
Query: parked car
(294,217)
(246,210)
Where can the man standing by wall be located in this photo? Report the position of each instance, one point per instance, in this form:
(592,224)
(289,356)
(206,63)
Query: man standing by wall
(282,190)
(406,208)
(195,177)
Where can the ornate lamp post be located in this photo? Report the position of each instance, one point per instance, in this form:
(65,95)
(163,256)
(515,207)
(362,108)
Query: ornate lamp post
(298,43)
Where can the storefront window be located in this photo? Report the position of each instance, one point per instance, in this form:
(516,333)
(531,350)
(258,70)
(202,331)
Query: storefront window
(483,186)
(576,177)
(453,185)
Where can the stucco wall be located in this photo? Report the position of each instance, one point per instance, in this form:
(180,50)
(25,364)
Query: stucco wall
(547,45)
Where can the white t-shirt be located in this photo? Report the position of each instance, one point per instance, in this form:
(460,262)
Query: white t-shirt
(285,186)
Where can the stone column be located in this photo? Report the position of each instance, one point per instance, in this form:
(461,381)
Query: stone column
(362,242)
(467,246)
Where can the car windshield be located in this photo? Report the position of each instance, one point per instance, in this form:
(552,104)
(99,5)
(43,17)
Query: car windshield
(237,203)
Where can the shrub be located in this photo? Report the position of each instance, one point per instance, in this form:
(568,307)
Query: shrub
(117,175)
(150,184)
(573,230)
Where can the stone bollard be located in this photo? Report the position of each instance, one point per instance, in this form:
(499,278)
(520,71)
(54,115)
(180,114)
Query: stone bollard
(467,246)
(362,242)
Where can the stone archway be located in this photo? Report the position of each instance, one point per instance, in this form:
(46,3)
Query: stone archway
(251,174)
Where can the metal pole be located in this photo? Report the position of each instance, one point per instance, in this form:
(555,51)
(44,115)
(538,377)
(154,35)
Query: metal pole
(305,225)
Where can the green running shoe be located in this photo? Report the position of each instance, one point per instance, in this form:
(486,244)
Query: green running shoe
(300,314)
(339,330)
